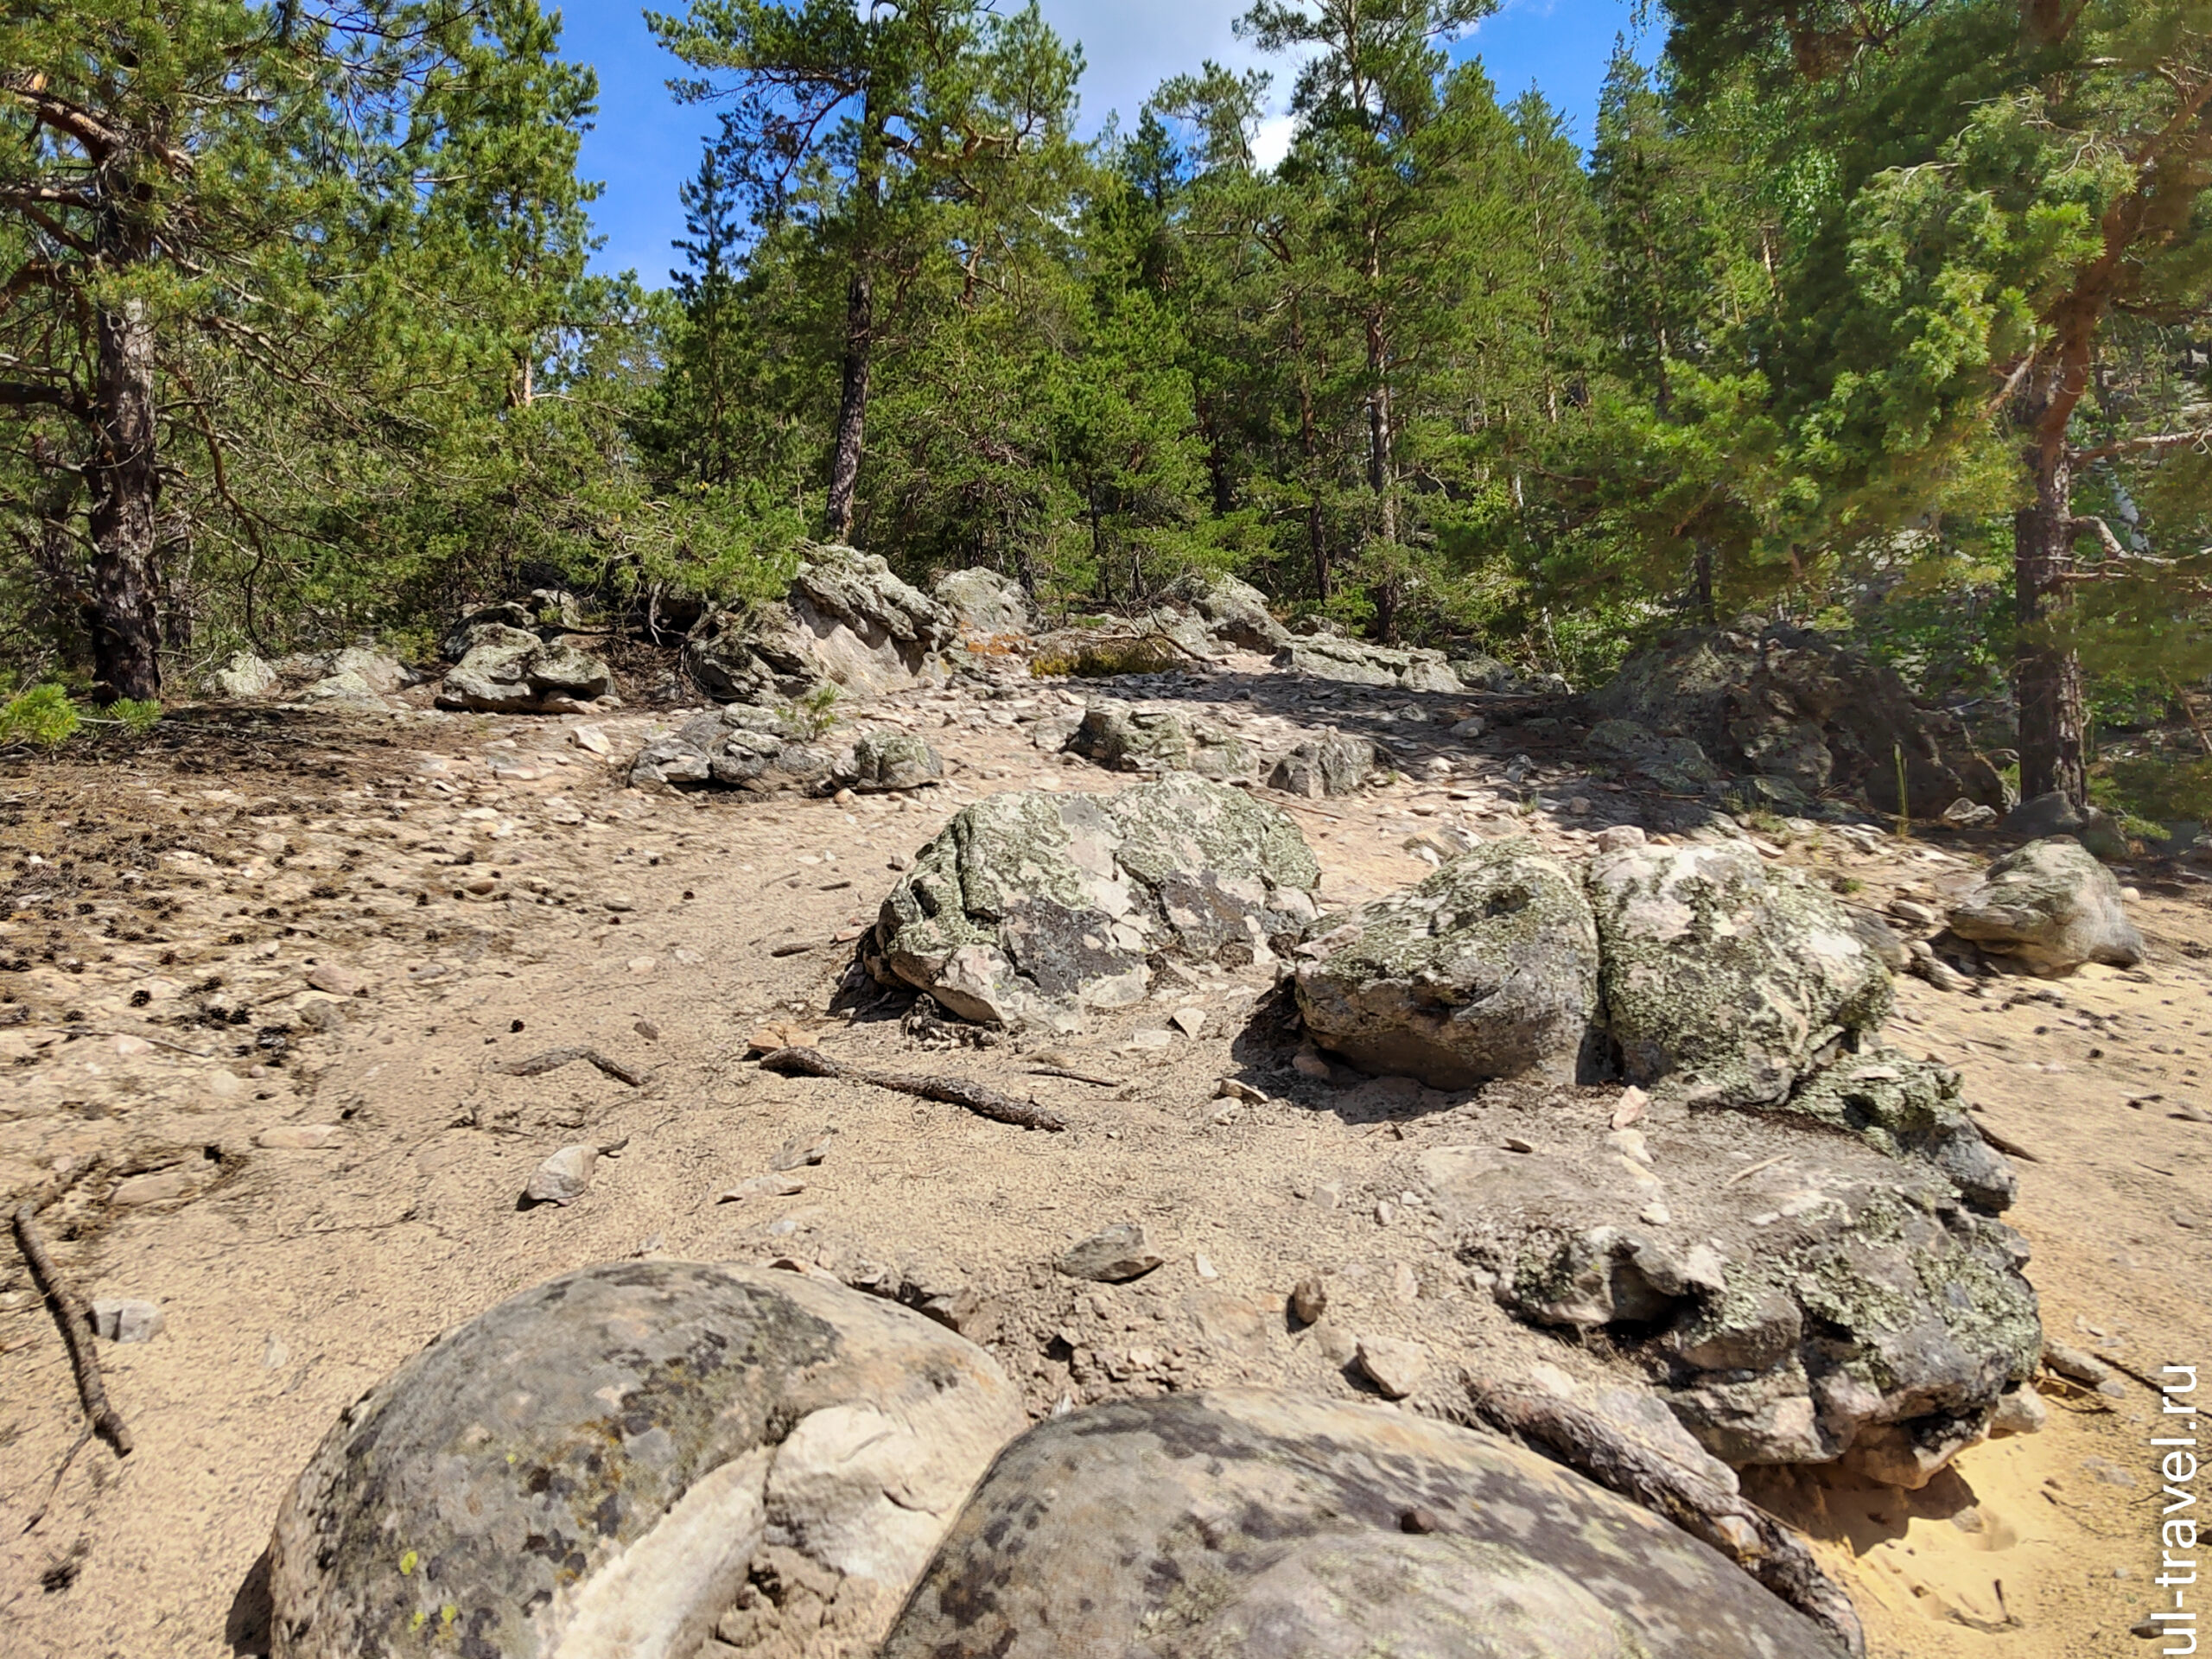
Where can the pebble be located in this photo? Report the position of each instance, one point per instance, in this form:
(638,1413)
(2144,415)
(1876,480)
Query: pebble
(1405,1286)
(1309,1300)
(619,901)
(562,1178)
(1112,1255)
(127,1320)
(1308,1064)
(641,966)
(2020,1411)
(1204,1266)
(1189,1020)
(1385,1213)
(590,738)
(1396,1368)
(762,1186)
(647,1029)
(152,1189)
(1630,1107)
(1619,837)
(1920,915)
(802,1150)
(1655,1215)
(1233,1088)
(274,1352)
(300,1137)
(1329,1195)
(127,1046)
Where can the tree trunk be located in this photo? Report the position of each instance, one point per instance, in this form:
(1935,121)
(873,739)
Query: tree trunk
(1378,427)
(1702,582)
(859,328)
(2047,678)
(1309,446)
(126,487)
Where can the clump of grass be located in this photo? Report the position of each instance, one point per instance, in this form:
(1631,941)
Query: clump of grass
(43,717)
(1103,658)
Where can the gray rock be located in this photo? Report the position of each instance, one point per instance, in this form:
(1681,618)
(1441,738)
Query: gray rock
(1793,705)
(507,671)
(1124,739)
(1112,1255)
(347,687)
(847,621)
(1727,980)
(742,746)
(2049,906)
(1197,1526)
(244,675)
(1033,908)
(1480,671)
(1322,767)
(1909,1108)
(383,674)
(1804,1287)
(1487,968)
(2054,814)
(562,1178)
(1355,662)
(891,759)
(607,1464)
(1674,763)
(127,1320)
(984,603)
(1396,1368)
(1232,610)
(548,612)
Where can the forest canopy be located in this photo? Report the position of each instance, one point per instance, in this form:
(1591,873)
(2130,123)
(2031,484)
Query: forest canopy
(1884,317)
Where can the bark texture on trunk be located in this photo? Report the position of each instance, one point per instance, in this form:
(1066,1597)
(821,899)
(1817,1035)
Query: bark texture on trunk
(1309,448)
(852,403)
(2047,679)
(126,487)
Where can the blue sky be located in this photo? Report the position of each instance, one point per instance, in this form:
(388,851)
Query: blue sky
(644,144)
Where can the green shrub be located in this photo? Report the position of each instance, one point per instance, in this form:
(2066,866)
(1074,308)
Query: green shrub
(138,714)
(43,717)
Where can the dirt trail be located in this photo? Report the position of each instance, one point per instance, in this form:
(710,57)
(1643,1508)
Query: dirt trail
(261,921)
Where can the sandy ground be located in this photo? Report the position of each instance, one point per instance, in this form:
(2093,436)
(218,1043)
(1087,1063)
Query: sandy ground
(261,920)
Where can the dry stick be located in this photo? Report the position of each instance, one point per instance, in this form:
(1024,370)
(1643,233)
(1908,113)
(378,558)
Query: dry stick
(142,1036)
(1076,1076)
(76,1446)
(1739,1528)
(553,1059)
(76,1321)
(954,1091)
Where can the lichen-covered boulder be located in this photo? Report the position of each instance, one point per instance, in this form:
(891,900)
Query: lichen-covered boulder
(244,675)
(739,747)
(2048,906)
(1674,763)
(886,759)
(1195,1526)
(846,620)
(1122,739)
(1320,767)
(606,1465)
(509,671)
(382,674)
(1795,1295)
(1724,980)
(343,687)
(984,603)
(547,611)
(1487,968)
(1032,908)
(1232,610)
(1355,662)
(1909,1108)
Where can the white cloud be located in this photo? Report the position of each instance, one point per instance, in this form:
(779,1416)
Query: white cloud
(1271,143)
(1130,46)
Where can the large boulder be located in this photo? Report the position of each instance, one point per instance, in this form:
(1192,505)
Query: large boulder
(1487,968)
(984,604)
(846,620)
(548,613)
(1233,611)
(381,673)
(1032,908)
(1122,739)
(1795,1295)
(2048,906)
(1674,763)
(607,1464)
(2054,814)
(510,670)
(1792,704)
(1319,768)
(886,758)
(1354,662)
(1909,1108)
(1723,980)
(1196,1526)
(742,745)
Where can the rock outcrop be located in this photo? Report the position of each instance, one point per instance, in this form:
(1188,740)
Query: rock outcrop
(1723,980)
(1241,1522)
(1797,1296)
(613,1463)
(1232,611)
(2048,906)
(244,675)
(548,613)
(1487,968)
(886,758)
(984,604)
(1324,767)
(1030,908)
(509,671)
(846,620)
(1355,662)
(1789,704)
(1122,739)
(742,745)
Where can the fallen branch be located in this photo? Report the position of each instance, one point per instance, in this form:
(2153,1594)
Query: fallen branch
(554,1059)
(954,1091)
(76,1321)
(1076,1076)
(1739,1528)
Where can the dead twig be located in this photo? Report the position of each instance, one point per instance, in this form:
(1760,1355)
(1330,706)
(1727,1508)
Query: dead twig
(554,1059)
(76,1322)
(954,1091)
(1739,1528)
(1076,1076)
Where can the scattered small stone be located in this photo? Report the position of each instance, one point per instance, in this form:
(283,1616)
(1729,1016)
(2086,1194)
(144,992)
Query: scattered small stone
(338,982)
(1234,1088)
(1630,1107)
(127,1320)
(1308,1062)
(562,1178)
(2020,1411)
(1189,1020)
(300,1137)
(1329,1195)
(1204,1266)
(1619,836)
(1418,1520)
(802,1150)
(274,1352)
(590,738)
(1309,1300)
(619,902)
(1112,1256)
(1920,915)
(1405,1284)
(1396,1368)
(780,1033)
(158,1188)
(1515,1143)
(1655,1215)
(648,1030)
(762,1186)
(1385,1213)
